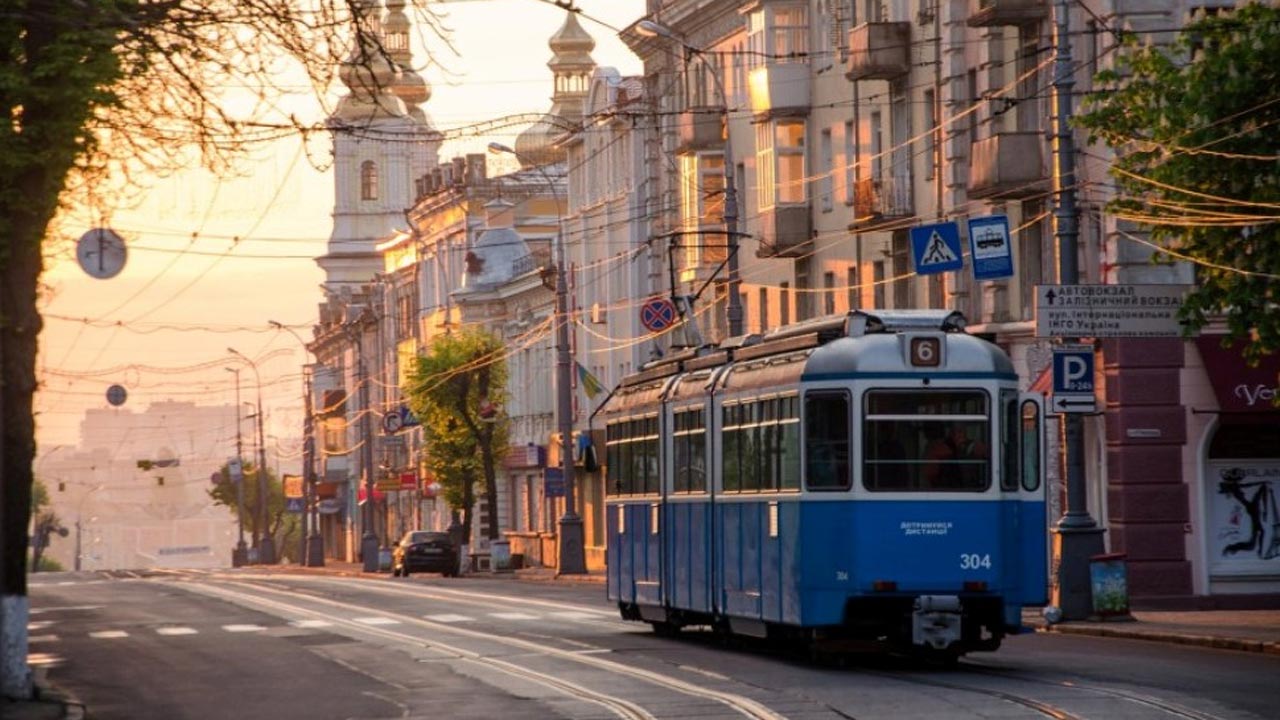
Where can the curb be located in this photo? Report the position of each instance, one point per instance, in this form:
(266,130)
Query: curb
(1209,641)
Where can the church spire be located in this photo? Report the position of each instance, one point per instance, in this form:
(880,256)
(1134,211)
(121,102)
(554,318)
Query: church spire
(367,74)
(409,86)
(571,67)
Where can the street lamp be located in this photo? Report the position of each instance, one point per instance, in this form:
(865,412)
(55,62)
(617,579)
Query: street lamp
(267,545)
(240,555)
(572,552)
(649,28)
(312,549)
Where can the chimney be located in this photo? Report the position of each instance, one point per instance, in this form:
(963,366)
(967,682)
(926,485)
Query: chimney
(477,171)
(459,171)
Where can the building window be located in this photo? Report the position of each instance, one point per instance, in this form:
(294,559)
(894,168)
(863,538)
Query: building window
(826,185)
(932,161)
(828,293)
(878,278)
(850,148)
(780,163)
(784,304)
(762,309)
(855,291)
(1031,256)
(779,33)
(702,206)
(368,180)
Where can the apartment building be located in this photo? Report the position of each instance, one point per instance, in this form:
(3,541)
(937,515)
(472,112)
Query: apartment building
(843,124)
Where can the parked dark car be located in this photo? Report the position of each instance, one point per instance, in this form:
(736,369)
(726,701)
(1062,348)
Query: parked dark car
(424,551)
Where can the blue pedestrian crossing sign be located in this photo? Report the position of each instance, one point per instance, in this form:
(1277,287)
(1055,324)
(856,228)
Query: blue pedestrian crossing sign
(294,505)
(989,248)
(936,248)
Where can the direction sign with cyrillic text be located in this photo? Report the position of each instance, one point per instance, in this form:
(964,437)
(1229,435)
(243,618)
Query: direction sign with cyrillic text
(1108,311)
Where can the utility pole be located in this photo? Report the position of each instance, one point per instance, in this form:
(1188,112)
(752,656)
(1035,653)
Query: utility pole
(1076,537)
(368,540)
(240,555)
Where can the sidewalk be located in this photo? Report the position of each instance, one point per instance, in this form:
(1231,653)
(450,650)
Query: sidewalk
(1243,630)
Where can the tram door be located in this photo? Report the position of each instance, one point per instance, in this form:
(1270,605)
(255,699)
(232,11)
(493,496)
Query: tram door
(1034,525)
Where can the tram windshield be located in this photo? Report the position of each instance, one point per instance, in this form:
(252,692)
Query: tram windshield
(926,441)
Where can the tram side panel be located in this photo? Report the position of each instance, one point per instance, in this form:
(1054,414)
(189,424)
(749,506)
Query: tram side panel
(687,533)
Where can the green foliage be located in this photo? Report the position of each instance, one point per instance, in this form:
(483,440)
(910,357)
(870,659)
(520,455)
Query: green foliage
(283,525)
(1195,127)
(48,564)
(458,391)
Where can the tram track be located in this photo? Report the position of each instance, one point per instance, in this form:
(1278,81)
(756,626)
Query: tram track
(1169,708)
(293,603)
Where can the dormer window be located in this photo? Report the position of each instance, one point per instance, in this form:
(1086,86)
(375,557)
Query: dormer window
(368,180)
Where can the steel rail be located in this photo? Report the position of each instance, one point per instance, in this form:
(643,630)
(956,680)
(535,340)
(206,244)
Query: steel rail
(742,705)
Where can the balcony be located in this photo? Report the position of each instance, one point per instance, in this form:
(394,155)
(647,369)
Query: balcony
(1008,166)
(879,51)
(786,231)
(700,128)
(779,88)
(878,199)
(991,13)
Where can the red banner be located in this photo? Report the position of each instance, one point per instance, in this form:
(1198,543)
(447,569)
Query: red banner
(1239,387)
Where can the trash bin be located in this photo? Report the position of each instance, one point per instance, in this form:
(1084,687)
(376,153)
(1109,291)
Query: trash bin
(384,558)
(1109,580)
(500,555)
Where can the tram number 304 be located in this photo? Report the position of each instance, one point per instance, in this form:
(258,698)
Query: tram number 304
(974,561)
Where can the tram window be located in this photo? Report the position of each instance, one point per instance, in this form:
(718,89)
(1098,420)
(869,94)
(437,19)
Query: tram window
(789,452)
(749,450)
(1009,440)
(923,441)
(651,474)
(680,455)
(827,441)
(1031,433)
(730,467)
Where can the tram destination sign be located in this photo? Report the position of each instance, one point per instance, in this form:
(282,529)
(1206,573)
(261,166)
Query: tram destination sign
(1109,311)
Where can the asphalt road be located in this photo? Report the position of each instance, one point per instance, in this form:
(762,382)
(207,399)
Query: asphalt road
(247,644)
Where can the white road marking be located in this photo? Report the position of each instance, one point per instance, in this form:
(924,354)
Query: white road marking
(243,628)
(513,616)
(575,615)
(37,611)
(448,618)
(310,623)
(175,631)
(42,638)
(43,659)
(38,624)
(376,620)
(108,634)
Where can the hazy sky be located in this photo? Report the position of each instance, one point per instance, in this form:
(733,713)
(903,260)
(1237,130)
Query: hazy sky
(190,290)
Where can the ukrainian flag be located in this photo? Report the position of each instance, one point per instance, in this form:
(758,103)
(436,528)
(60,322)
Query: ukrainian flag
(591,385)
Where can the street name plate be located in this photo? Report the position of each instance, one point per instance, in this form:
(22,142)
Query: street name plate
(1109,311)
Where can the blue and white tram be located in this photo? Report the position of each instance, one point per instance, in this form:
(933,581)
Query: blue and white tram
(868,480)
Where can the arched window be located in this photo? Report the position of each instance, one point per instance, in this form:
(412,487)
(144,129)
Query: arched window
(368,180)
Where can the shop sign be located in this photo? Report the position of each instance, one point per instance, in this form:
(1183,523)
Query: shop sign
(329,506)
(1239,388)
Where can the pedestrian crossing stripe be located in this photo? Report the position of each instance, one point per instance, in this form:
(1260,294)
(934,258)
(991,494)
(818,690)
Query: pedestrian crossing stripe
(377,620)
(937,252)
(243,628)
(175,631)
(513,616)
(448,618)
(108,634)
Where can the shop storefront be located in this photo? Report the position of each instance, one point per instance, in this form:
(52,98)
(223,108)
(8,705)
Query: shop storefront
(1240,474)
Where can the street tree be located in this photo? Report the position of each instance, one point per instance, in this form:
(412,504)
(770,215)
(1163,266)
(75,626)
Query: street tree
(283,527)
(457,390)
(45,524)
(98,95)
(1194,127)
